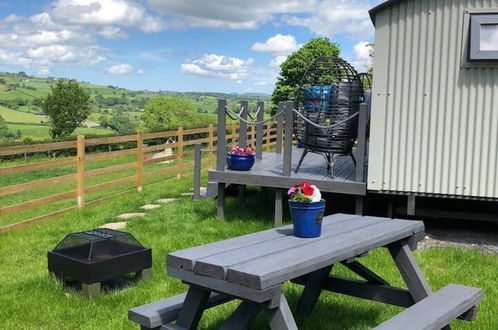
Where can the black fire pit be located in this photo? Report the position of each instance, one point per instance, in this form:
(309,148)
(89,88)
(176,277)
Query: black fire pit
(93,256)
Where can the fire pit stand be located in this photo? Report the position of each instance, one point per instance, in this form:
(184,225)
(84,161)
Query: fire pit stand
(98,255)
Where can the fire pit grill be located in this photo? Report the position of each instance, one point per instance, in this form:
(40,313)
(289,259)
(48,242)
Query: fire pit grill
(97,255)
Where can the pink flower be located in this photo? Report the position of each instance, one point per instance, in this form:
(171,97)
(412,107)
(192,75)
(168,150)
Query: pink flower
(291,190)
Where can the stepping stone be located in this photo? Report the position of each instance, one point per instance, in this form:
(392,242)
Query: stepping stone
(150,206)
(114,225)
(165,200)
(125,216)
(187,194)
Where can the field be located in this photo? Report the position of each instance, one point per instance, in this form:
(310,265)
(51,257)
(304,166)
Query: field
(20,97)
(30,299)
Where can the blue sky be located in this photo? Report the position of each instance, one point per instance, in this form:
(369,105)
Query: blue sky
(179,45)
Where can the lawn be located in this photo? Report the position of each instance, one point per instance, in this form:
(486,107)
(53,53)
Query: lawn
(18,116)
(29,299)
(38,132)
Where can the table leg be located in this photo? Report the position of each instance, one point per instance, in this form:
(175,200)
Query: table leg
(193,307)
(314,285)
(281,318)
(243,316)
(409,269)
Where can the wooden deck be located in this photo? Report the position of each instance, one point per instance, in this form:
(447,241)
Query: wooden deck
(268,172)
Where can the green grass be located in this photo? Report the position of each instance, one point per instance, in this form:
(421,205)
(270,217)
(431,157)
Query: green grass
(17,116)
(29,299)
(42,132)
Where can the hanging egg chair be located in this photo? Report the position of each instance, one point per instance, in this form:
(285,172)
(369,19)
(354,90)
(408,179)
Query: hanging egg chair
(328,101)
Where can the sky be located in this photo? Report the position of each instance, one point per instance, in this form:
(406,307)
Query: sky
(175,45)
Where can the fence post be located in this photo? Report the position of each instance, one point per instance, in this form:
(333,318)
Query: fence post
(140,160)
(268,136)
(80,171)
(259,130)
(197,171)
(179,152)
(280,128)
(221,146)
(233,133)
(221,143)
(210,145)
(289,127)
(243,126)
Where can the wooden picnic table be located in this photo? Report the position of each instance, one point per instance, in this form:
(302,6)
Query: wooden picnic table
(253,268)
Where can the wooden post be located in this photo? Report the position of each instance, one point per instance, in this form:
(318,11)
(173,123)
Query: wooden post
(140,160)
(259,130)
(289,127)
(233,133)
(243,143)
(268,136)
(221,143)
(197,171)
(362,137)
(80,171)
(280,128)
(221,146)
(179,152)
(243,126)
(210,145)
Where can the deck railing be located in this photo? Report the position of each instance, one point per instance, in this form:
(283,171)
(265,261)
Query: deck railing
(284,135)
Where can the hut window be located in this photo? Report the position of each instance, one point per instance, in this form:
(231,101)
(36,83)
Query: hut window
(483,37)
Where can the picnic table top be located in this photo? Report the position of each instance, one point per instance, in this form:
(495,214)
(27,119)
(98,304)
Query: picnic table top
(268,258)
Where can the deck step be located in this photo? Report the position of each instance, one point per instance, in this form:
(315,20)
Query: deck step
(437,310)
(161,312)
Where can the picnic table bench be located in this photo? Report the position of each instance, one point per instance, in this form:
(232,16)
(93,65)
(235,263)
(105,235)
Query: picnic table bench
(253,268)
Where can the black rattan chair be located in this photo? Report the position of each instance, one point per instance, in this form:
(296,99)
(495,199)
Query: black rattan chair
(328,102)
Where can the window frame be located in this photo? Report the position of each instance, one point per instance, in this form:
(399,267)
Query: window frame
(465,62)
(476,22)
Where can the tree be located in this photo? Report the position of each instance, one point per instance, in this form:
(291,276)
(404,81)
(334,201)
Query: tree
(103,121)
(294,67)
(67,105)
(121,123)
(167,112)
(5,133)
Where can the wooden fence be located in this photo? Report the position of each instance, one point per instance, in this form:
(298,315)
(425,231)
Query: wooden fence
(145,146)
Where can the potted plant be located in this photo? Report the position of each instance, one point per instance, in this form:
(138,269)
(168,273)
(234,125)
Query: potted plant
(306,208)
(240,158)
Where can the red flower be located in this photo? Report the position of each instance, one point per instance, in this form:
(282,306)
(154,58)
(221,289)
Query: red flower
(308,190)
(249,151)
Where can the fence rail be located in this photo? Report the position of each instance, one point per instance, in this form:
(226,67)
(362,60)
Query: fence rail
(144,167)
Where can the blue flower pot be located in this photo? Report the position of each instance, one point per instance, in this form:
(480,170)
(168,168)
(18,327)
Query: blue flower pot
(240,163)
(307,218)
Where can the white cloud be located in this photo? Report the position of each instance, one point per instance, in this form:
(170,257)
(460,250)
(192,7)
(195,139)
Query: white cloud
(277,45)
(275,63)
(105,12)
(44,71)
(361,56)
(140,71)
(218,66)
(121,68)
(112,32)
(39,42)
(241,14)
(333,17)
